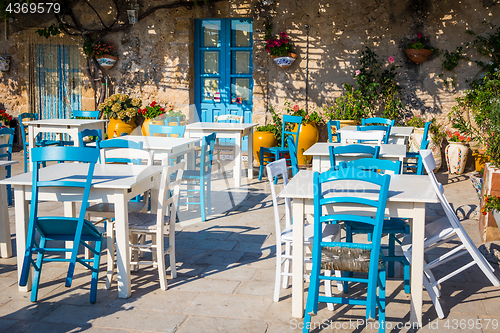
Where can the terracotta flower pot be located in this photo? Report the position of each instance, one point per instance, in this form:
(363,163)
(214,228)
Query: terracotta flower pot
(118,126)
(418,56)
(147,122)
(106,61)
(262,139)
(308,136)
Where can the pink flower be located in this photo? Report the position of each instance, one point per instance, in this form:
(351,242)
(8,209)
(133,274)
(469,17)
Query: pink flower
(391,59)
(295,108)
(358,72)
(420,35)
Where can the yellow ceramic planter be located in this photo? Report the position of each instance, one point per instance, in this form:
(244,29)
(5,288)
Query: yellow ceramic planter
(147,122)
(262,139)
(118,126)
(308,136)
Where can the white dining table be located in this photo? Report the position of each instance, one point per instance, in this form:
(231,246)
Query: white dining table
(116,183)
(5,240)
(321,154)
(61,126)
(165,148)
(235,131)
(407,197)
(398,135)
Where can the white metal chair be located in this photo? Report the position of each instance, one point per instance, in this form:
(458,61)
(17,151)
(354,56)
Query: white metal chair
(228,147)
(441,231)
(157,225)
(330,231)
(371,137)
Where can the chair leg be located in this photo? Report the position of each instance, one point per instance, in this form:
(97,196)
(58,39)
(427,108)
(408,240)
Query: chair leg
(286,268)
(328,290)
(160,255)
(392,248)
(37,271)
(261,164)
(95,271)
(434,298)
(203,201)
(171,243)
(381,300)
(312,296)
(209,196)
(406,277)
(277,278)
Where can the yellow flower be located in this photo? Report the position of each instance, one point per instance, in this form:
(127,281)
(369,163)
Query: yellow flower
(136,102)
(101,106)
(123,98)
(115,97)
(116,107)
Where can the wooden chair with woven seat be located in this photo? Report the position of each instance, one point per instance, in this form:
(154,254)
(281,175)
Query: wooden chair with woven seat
(330,126)
(78,230)
(363,258)
(225,146)
(6,155)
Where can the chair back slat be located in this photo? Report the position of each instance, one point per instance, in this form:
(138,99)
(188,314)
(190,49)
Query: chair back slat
(124,151)
(206,154)
(289,123)
(176,120)
(85,114)
(377,120)
(169,131)
(276,169)
(361,150)
(374,164)
(292,148)
(385,129)
(96,135)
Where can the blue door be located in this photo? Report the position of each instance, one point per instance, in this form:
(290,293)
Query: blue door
(223,68)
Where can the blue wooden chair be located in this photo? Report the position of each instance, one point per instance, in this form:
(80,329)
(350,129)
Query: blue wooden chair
(58,228)
(85,114)
(344,256)
(377,120)
(392,226)
(169,131)
(202,177)
(363,150)
(39,141)
(417,167)
(6,155)
(267,155)
(292,148)
(331,135)
(94,134)
(169,120)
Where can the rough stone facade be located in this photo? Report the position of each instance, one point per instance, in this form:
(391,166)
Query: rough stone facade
(156,57)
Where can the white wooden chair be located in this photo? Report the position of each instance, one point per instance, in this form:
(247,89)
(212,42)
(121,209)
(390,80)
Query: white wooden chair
(370,137)
(330,231)
(118,151)
(158,226)
(442,231)
(226,148)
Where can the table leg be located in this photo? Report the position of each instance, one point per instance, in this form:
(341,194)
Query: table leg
(298,259)
(250,154)
(69,211)
(417,263)
(22,222)
(316,163)
(122,248)
(237,161)
(5,241)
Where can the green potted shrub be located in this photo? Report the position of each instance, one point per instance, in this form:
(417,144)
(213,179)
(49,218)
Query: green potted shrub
(349,108)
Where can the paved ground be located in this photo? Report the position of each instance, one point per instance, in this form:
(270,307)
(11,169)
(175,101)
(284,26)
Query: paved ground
(225,283)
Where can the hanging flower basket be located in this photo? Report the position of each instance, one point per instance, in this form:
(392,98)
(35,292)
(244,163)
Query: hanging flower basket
(418,56)
(106,61)
(285,62)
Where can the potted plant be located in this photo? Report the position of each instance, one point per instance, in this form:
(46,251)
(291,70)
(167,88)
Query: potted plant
(152,115)
(436,135)
(103,52)
(492,204)
(417,51)
(349,108)
(279,49)
(456,152)
(121,110)
(308,134)
(177,114)
(268,135)
(5,118)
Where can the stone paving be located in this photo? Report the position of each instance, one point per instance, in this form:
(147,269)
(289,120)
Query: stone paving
(225,282)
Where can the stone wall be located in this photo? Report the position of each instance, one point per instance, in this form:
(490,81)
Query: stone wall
(157,59)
